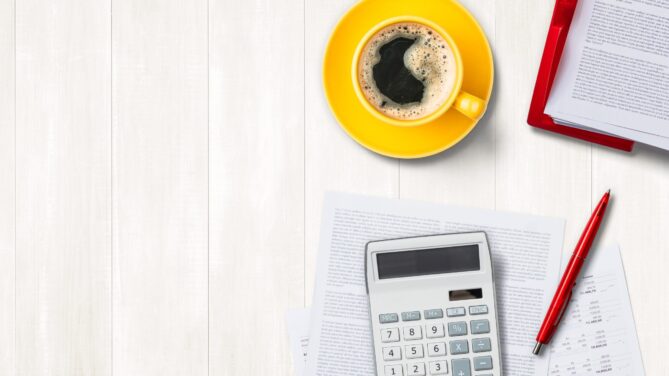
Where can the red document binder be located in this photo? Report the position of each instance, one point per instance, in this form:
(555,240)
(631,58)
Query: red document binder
(557,36)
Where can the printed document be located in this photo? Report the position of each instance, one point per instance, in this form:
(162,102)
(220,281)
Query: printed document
(297,322)
(614,72)
(598,335)
(525,250)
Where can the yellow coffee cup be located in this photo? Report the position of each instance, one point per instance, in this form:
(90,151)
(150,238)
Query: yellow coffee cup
(467,104)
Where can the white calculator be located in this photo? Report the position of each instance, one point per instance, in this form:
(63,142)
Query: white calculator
(432,305)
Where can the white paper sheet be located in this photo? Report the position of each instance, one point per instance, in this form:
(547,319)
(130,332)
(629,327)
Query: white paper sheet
(614,72)
(526,256)
(297,322)
(598,335)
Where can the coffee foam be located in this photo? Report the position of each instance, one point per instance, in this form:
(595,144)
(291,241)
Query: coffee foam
(430,59)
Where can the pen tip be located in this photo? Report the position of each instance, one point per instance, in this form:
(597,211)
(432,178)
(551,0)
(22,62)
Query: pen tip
(537,348)
(608,192)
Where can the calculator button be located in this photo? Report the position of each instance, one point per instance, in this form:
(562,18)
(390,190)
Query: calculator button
(459,347)
(480,326)
(455,312)
(457,328)
(394,370)
(392,353)
(478,310)
(412,333)
(386,318)
(413,351)
(439,368)
(390,335)
(482,363)
(436,349)
(434,331)
(411,316)
(461,367)
(416,369)
(433,314)
(481,345)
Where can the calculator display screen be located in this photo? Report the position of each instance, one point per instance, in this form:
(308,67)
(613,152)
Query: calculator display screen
(463,258)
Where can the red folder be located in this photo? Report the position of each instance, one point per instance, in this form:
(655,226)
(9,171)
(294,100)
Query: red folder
(557,36)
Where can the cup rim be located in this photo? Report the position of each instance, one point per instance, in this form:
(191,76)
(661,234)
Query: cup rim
(447,104)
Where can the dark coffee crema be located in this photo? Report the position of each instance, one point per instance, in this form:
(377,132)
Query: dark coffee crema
(406,71)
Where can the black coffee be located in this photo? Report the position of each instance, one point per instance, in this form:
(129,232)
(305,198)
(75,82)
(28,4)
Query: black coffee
(393,79)
(407,71)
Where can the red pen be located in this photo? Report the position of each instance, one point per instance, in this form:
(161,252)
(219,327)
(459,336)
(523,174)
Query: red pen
(563,293)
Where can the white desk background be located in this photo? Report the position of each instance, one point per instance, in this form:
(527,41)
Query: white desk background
(163,163)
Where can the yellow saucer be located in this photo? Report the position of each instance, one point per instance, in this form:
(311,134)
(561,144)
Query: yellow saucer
(368,130)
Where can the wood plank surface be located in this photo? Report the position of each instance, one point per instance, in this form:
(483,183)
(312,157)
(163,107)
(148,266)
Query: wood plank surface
(160,208)
(256,189)
(163,166)
(7,192)
(63,210)
(537,172)
(333,161)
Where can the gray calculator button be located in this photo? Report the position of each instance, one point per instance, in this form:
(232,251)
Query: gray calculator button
(480,326)
(386,318)
(481,345)
(459,347)
(433,314)
(455,312)
(478,310)
(461,367)
(411,316)
(482,363)
(457,328)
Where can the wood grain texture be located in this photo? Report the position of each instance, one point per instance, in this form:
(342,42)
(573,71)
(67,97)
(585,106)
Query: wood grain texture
(256,229)
(333,161)
(160,208)
(464,174)
(7,193)
(638,219)
(537,172)
(63,211)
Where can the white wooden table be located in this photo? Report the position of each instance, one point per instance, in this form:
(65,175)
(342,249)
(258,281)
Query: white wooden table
(160,206)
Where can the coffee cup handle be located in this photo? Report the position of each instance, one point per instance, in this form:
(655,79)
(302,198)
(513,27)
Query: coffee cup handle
(469,105)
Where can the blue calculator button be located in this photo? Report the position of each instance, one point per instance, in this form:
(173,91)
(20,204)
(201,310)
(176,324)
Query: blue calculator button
(433,314)
(411,316)
(386,318)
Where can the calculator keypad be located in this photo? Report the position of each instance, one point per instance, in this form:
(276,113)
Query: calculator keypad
(461,367)
(392,353)
(416,369)
(414,351)
(412,333)
(390,335)
(394,370)
(423,342)
(459,347)
(481,345)
(436,349)
(457,328)
(480,326)
(439,368)
(435,330)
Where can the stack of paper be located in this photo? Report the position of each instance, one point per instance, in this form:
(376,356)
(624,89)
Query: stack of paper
(526,256)
(614,72)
